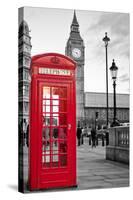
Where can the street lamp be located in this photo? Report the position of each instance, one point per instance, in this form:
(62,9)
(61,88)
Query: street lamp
(114,70)
(96,118)
(106,40)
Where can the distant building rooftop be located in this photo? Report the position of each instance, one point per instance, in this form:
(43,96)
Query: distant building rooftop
(96,99)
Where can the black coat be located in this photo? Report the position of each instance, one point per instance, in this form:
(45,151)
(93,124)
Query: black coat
(93,134)
(79,131)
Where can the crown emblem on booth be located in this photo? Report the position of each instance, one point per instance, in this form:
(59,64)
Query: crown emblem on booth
(55,60)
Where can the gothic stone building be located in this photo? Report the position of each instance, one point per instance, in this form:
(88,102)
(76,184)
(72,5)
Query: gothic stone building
(96,102)
(24,50)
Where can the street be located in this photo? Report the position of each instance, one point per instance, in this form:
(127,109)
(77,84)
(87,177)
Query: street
(94,171)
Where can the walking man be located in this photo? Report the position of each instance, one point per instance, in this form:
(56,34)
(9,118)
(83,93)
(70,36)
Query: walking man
(93,137)
(79,132)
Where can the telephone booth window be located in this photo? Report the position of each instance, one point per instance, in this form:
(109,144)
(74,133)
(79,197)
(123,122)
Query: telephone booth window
(54,127)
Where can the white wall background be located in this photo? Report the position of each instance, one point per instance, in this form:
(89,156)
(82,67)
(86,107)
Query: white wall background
(9,101)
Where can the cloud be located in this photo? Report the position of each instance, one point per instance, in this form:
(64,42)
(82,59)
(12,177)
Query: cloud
(124,78)
(117,26)
(118,23)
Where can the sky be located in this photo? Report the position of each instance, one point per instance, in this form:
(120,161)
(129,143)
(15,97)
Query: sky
(50,29)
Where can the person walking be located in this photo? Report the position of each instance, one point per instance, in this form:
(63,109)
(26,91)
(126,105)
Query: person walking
(27,136)
(24,131)
(93,137)
(79,132)
(82,135)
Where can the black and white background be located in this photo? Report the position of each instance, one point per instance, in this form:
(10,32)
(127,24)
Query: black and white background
(9,95)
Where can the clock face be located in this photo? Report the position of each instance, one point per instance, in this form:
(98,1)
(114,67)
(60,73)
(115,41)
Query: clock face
(76,53)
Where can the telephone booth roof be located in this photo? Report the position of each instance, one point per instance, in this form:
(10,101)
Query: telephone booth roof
(53,60)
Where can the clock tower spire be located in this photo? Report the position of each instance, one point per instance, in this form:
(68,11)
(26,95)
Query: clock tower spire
(74,22)
(75,50)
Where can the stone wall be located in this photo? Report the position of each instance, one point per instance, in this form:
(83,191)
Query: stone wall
(118,148)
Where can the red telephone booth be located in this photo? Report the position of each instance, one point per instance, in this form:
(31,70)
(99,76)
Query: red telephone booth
(52,149)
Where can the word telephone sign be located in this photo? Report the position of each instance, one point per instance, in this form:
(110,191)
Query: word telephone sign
(52,149)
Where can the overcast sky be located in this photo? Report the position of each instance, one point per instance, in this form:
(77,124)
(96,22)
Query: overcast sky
(50,30)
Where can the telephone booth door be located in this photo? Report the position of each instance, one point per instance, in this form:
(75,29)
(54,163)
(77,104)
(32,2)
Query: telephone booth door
(52,132)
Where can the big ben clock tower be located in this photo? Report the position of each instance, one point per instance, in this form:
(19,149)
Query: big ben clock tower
(75,50)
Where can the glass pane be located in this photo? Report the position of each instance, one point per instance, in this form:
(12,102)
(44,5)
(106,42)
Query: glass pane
(46,102)
(55,121)
(63,119)
(55,158)
(55,102)
(55,108)
(46,134)
(55,133)
(63,146)
(46,92)
(47,108)
(46,119)
(55,147)
(63,160)
(46,160)
(45,147)
(63,106)
(63,133)
(63,92)
(55,93)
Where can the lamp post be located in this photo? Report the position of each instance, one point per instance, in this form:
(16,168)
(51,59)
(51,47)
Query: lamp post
(114,70)
(106,40)
(96,118)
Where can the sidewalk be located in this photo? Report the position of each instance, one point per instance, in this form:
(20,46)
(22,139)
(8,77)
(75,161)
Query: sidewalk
(94,171)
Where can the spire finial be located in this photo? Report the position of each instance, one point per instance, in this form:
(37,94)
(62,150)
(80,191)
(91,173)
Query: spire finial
(75,22)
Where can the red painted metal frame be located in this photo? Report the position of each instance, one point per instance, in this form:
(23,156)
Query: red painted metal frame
(51,177)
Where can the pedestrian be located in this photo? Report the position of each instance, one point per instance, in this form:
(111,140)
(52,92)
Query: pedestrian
(103,140)
(27,136)
(24,131)
(79,132)
(21,133)
(82,135)
(55,135)
(107,137)
(89,134)
(93,137)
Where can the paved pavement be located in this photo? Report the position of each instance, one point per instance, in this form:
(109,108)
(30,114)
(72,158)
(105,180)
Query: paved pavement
(94,171)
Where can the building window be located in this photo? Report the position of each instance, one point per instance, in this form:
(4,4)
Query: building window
(25,107)
(25,75)
(26,39)
(26,62)
(25,90)
(74,28)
